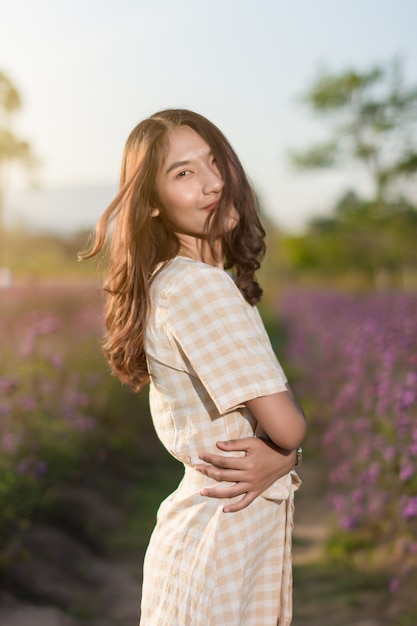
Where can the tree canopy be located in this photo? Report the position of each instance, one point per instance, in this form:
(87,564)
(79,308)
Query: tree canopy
(12,147)
(371,118)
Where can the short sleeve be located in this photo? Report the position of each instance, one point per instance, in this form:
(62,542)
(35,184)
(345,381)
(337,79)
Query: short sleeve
(221,339)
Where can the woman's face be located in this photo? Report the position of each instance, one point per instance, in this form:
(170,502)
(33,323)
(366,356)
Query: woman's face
(189,185)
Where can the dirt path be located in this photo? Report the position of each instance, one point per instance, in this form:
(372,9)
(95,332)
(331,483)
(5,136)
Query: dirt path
(324,596)
(69,582)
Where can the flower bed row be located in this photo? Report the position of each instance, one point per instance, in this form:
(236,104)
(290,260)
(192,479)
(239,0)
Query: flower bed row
(58,404)
(356,357)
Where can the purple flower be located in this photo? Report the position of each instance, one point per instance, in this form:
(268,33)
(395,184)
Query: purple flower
(406,470)
(339,503)
(357,360)
(348,522)
(39,468)
(85,423)
(357,495)
(10,442)
(412,379)
(408,398)
(389,453)
(42,327)
(409,508)
(28,403)
(56,361)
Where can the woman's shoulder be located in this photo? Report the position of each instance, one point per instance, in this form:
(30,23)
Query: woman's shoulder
(184,276)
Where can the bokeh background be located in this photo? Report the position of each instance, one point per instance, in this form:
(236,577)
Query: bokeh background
(320,102)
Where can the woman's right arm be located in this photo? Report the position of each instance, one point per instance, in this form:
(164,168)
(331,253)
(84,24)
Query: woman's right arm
(264,462)
(280,417)
(250,475)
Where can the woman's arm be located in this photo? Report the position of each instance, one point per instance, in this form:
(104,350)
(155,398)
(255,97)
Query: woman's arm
(264,461)
(281,418)
(249,475)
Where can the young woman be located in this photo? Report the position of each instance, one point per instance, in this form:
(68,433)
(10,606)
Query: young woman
(220,554)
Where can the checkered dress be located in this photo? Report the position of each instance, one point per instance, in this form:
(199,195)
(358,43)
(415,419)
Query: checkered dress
(208,352)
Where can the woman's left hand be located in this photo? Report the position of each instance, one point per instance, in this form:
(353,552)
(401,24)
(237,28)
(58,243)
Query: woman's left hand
(251,474)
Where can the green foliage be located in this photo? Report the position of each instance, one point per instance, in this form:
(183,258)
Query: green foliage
(373,241)
(12,147)
(333,92)
(47,256)
(372,119)
(319,156)
(342,546)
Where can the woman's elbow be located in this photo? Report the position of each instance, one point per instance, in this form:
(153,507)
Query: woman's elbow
(281,418)
(292,437)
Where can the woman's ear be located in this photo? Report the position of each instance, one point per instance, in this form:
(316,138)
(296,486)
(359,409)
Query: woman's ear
(154,212)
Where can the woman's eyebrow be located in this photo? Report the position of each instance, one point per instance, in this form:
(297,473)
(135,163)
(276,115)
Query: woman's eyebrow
(176,164)
(173,166)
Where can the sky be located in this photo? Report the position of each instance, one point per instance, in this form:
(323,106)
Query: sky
(90,70)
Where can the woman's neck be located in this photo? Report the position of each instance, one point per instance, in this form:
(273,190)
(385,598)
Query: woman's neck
(199,250)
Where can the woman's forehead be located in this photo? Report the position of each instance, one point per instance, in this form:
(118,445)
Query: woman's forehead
(184,136)
(183,144)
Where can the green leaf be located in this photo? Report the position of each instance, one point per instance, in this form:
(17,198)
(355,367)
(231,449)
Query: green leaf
(318,156)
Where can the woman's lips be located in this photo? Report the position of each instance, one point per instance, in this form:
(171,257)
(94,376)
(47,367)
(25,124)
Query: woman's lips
(210,207)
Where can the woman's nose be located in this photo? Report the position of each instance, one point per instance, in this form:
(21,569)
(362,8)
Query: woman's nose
(213,183)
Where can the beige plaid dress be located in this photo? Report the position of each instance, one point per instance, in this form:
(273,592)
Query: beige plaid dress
(208,353)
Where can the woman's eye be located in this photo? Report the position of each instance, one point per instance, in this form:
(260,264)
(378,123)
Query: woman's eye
(183,173)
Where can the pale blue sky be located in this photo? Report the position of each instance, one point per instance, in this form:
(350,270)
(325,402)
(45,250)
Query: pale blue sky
(89,70)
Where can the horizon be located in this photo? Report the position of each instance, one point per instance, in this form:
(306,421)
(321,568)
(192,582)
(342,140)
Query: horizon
(68,209)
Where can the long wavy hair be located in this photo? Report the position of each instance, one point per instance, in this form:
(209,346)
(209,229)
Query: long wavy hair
(137,243)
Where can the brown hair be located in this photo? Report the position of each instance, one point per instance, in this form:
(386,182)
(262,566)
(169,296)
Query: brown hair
(138,242)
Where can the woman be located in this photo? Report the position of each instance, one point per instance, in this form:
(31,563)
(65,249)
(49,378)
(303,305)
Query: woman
(185,213)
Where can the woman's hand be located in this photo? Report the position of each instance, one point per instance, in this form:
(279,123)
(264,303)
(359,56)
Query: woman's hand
(251,474)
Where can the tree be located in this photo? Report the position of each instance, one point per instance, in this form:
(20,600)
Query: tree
(359,242)
(372,116)
(12,147)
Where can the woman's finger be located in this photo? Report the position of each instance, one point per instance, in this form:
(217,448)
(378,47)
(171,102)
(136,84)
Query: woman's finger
(237,444)
(226,462)
(220,475)
(241,504)
(237,489)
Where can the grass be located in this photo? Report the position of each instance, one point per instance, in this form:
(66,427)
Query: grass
(329,595)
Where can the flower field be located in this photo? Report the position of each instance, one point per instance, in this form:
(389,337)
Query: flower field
(355,360)
(58,404)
